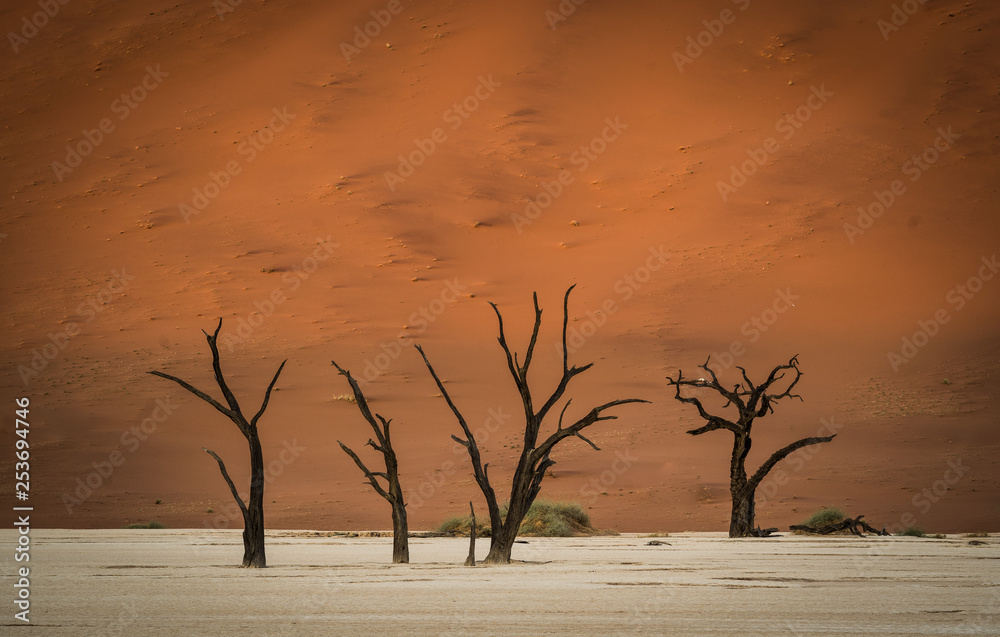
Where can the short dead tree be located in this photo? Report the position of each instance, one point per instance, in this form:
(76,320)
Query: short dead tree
(534,460)
(751,402)
(392,492)
(252,509)
(471,560)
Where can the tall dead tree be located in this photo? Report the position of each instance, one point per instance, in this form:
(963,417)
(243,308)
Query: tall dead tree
(751,402)
(534,459)
(252,509)
(392,492)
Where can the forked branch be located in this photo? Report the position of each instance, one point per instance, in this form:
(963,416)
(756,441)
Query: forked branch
(233,411)
(368,474)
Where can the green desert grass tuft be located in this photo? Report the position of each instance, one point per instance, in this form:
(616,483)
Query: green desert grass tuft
(556,519)
(152,524)
(826,515)
(459,524)
(545,518)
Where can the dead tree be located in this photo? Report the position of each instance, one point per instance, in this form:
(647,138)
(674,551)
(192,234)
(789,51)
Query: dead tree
(751,402)
(534,460)
(252,509)
(471,560)
(392,492)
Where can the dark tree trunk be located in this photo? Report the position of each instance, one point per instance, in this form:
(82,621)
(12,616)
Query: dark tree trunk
(253,508)
(742,519)
(751,402)
(392,492)
(502,540)
(534,459)
(742,522)
(253,530)
(501,545)
(400,534)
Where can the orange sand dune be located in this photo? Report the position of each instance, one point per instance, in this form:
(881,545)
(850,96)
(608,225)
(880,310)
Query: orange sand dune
(696,171)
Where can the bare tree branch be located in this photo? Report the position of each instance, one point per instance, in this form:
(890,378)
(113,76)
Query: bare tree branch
(362,402)
(479,470)
(220,379)
(746,381)
(368,474)
(777,374)
(588,440)
(782,453)
(229,481)
(512,365)
(713,425)
(534,336)
(267,395)
(228,413)
(732,396)
(593,416)
(714,422)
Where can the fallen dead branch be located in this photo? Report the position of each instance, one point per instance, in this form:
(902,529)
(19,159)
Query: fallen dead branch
(854,525)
